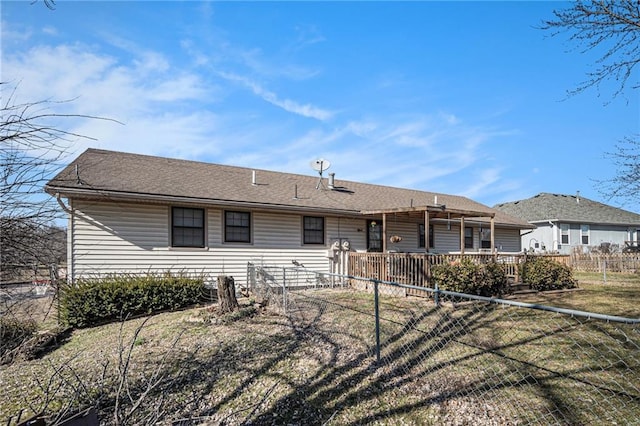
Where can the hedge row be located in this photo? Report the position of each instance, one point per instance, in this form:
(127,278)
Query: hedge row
(465,276)
(96,301)
(490,279)
(544,274)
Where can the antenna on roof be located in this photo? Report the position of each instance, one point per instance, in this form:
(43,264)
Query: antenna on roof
(320,165)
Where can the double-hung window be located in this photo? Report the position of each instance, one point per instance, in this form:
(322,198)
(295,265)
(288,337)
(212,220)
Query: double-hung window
(584,234)
(564,233)
(313,230)
(187,227)
(237,227)
(468,237)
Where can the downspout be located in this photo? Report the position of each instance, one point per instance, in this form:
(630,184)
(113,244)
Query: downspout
(70,225)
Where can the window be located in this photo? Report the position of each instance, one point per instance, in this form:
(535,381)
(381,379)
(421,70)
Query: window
(564,233)
(187,227)
(468,237)
(313,230)
(485,238)
(584,234)
(374,236)
(237,227)
(421,235)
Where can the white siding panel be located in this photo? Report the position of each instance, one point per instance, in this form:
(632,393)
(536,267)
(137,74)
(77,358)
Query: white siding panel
(272,230)
(353,230)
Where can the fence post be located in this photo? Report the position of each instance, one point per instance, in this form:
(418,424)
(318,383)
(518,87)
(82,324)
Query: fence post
(604,270)
(284,290)
(377,316)
(436,295)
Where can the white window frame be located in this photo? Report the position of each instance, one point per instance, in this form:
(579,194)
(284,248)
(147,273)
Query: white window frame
(565,227)
(585,230)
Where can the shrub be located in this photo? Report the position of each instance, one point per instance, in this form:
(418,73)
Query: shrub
(544,274)
(95,301)
(13,333)
(488,279)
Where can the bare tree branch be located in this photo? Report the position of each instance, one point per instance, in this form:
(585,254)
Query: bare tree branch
(33,147)
(610,27)
(626,183)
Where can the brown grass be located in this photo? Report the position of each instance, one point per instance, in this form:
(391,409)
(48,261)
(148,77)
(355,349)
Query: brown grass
(463,363)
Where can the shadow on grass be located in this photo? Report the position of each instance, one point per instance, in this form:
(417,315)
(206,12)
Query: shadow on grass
(472,363)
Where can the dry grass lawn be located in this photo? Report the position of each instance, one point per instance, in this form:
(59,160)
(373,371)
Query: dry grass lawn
(463,363)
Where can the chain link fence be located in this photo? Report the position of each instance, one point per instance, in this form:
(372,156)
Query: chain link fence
(445,357)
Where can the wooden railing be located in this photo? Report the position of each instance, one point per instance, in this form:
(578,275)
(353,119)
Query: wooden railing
(415,268)
(598,262)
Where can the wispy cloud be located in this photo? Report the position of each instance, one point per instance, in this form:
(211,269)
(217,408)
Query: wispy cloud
(305,110)
(154,103)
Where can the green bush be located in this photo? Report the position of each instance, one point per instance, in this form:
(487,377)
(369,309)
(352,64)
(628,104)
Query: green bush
(13,333)
(489,279)
(95,301)
(544,274)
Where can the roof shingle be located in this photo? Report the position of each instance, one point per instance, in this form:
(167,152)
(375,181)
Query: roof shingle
(101,171)
(568,208)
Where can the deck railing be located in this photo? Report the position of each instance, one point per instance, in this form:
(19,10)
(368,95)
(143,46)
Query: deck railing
(415,268)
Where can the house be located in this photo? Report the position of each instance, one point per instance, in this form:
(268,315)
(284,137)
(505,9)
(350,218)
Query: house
(566,223)
(136,213)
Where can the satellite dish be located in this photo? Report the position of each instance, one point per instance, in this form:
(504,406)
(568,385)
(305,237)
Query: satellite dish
(320,165)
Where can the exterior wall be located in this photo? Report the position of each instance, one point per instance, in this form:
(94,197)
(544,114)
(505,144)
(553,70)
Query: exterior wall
(508,240)
(134,238)
(542,239)
(550,237)
(116,237)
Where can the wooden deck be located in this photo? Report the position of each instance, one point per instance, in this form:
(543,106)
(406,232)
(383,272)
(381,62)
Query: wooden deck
(415,268)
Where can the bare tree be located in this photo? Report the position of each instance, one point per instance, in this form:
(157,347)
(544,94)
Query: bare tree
(626,183)
(609,27)
(32,146)
(612,29)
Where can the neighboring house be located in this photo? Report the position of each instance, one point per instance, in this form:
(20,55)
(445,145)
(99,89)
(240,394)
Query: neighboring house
(136,213)
(565,223)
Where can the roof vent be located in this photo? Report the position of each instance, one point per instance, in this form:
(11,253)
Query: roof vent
(578,197)
(332,181)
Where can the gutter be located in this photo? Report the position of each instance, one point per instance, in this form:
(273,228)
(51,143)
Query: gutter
(131,196)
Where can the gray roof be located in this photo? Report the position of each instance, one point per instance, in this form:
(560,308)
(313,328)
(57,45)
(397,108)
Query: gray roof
(568,208)
(118,175)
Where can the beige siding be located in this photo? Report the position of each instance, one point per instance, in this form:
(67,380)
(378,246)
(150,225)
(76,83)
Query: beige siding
(134,238)
(446,240)
(508,240)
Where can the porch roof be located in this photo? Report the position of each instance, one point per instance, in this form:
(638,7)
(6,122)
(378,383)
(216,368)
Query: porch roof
(437,211)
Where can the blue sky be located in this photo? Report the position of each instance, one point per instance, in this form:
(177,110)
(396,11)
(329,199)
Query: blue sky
(465,98)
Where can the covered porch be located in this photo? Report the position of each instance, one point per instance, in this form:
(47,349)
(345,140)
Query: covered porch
(427,215)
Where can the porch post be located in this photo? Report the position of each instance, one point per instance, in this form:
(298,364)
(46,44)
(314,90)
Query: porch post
(426,231)
(461,234)
(384,232)
(493,241)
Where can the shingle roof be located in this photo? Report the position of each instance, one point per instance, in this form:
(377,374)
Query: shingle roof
(100,172)
(568,208)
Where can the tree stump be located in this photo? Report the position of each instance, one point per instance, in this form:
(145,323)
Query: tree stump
(227,294)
